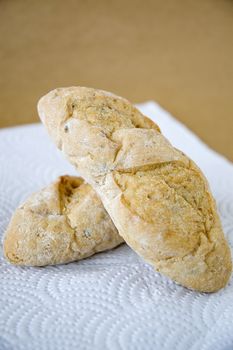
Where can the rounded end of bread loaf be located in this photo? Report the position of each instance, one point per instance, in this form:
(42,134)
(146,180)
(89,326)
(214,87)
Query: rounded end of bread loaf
(37,234)
(61,105)
(208,273)
(10,248)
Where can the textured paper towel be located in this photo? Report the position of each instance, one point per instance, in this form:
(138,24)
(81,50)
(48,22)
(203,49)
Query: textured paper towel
(112,300)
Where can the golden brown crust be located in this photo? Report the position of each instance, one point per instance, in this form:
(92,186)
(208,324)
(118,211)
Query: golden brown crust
(157,197)
(64,222)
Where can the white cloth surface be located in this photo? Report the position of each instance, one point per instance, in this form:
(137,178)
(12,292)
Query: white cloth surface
(112,300)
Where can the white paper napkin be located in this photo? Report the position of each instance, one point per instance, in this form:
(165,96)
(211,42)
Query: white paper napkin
(113,300)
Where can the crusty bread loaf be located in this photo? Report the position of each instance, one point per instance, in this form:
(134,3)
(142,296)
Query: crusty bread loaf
(64,222)
(157,197)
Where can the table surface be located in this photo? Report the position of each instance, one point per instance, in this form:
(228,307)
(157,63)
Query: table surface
(178,53)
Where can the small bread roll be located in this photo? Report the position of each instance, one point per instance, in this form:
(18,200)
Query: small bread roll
(158,199)
(64,222)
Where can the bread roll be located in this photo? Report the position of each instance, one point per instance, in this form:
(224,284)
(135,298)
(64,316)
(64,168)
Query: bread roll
(158,199)
(64,222)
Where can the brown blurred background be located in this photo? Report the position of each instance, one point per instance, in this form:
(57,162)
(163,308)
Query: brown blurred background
(177,52)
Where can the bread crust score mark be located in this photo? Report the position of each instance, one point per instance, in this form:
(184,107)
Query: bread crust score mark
(157,197)
(64,222)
